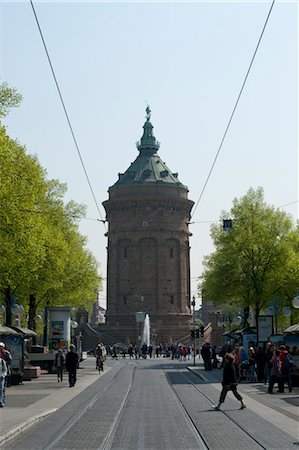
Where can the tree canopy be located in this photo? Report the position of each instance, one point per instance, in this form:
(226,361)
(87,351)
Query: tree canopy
(9,98)
(257,259)
(43,257)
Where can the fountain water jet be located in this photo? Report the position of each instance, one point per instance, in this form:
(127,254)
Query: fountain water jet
(146,331)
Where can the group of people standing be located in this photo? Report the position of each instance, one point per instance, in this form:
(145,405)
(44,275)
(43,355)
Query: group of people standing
(209,356)
(276,369)
(268,366)
(280,362)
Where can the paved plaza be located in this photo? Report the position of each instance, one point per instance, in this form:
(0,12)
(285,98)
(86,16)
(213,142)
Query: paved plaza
(146,404)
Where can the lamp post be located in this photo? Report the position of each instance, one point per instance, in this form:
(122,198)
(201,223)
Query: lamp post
(194,341)
(273,311)
(295,302)
(74,326)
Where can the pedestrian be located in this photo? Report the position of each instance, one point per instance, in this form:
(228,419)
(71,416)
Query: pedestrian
(3,374)
(260,364)
(237,359)
(6,355)
(136,352)
(114,352)
(214,357)
(144,351)
(229,382)
(59,363)
(99,357)
(157,351)
(286,364)
(150,351)
(71,364)
(206,353)
(269,353)
(130,351)
(276,373)
(252,365)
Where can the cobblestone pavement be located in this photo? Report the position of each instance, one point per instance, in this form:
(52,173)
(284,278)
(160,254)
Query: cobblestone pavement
(149,404)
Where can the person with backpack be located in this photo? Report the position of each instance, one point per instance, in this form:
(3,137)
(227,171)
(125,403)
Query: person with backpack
(286,364)
(276,373)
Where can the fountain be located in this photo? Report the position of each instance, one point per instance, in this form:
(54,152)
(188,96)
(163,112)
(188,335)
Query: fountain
(146,331)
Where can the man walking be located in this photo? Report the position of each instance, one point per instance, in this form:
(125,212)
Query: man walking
(71,364)
(229,382)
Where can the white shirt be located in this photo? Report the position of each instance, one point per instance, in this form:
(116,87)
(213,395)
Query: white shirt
(3,368)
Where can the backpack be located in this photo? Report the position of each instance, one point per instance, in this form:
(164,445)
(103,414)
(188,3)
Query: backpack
(288,362)
(7,357)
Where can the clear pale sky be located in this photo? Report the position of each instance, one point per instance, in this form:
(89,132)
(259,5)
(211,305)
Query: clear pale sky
(188,61)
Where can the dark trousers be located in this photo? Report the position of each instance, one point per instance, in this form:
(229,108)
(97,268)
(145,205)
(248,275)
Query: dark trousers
(278,380)
(72,376)
(230,387)
(207,363)
(287,378)
(60,373)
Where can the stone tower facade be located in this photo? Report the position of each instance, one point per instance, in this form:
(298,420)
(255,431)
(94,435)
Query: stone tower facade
(148,266)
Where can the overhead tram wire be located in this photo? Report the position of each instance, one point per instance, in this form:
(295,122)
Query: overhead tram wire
(234,110)
(67,116)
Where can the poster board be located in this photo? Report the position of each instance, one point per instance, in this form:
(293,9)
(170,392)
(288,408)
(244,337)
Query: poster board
(265,327)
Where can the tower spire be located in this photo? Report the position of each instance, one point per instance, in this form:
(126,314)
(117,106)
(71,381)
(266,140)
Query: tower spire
(148,113)
(148,143)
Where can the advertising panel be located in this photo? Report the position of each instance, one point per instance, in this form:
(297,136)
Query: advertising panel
(265,327)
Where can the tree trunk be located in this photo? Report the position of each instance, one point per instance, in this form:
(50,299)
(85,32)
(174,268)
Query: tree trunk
(32,315)
(257,313)
(32,312)
(8,301)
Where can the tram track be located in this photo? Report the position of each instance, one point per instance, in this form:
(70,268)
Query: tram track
(89,404)
(139,405)
(107,443)
(54,431)
(188,378)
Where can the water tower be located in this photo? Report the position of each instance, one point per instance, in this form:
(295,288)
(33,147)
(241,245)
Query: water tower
(148,264)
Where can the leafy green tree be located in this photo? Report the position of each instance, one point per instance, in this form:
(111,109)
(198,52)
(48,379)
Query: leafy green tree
(254,259)
(21,225)
(9,98)
(43,258)
(69,273)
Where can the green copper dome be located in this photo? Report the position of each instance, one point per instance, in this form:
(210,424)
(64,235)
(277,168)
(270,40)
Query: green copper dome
(148,168)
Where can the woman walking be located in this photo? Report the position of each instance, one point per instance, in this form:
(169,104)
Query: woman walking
(229,382)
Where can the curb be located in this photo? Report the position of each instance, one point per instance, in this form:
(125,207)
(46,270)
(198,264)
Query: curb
(197,373)
(14,432)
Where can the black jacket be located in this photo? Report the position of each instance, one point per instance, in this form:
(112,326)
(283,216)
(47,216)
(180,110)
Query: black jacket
(229,375)
(71,361)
